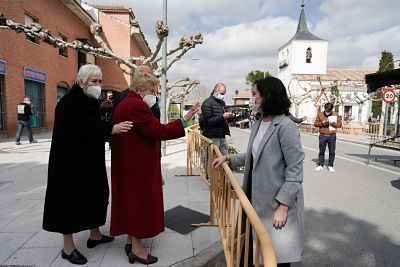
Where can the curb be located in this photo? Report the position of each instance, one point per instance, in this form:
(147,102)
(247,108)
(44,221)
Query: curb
(342,139)
(211,256)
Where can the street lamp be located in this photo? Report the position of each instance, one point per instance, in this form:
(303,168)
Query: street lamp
(163,110)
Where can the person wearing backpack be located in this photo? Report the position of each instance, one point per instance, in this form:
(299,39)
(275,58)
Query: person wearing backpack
(24,112)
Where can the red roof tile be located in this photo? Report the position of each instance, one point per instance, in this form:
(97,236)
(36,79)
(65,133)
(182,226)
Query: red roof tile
(243,94)
(337,75)
(111,8)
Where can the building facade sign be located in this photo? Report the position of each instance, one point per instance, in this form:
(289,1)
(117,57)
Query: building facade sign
(34,75)
(3,67)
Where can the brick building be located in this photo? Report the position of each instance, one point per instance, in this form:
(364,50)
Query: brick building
(33,68)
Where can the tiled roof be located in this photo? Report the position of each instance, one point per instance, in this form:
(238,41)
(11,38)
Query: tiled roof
(111,8)
(337,75)
(302,32)
(244,94)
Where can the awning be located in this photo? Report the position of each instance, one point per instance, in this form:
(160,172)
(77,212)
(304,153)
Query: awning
(377,80)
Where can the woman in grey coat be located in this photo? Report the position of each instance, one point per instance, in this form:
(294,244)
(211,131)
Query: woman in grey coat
(274,170)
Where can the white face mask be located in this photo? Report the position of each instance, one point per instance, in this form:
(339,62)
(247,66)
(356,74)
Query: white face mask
(220,97)
(94,91)
(150,100)
(252,104)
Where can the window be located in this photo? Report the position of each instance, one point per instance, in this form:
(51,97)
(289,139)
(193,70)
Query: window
(62,90)
(35,91)
(2,104)
(308,55)
(28,21)
(63,51)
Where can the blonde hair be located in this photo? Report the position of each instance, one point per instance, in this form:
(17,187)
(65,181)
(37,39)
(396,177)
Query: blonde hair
(142,81)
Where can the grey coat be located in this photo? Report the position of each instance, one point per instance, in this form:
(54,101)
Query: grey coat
(275,176)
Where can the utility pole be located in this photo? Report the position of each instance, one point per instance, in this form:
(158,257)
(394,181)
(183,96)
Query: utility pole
(164,80)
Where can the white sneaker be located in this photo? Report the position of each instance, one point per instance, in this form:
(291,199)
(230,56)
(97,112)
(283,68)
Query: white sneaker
(319,168)
(331,169)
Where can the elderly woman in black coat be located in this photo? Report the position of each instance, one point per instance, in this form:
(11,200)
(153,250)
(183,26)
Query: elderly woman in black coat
(77,187)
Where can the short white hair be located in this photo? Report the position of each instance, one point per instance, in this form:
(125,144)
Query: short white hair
(142,69)
(87,71)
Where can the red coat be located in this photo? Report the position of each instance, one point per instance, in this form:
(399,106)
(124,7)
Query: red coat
(137,200)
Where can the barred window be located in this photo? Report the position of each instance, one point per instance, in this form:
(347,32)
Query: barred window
(35,91)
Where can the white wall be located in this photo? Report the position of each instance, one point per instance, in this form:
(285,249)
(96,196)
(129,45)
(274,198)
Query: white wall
(297,56)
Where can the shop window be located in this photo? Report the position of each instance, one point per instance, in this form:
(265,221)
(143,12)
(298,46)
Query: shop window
(28,21)
(308,55)
(63,51)
(2,104)
(35,91)
(62,90)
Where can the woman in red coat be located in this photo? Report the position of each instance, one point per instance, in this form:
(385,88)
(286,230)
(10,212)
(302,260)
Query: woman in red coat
(137,199)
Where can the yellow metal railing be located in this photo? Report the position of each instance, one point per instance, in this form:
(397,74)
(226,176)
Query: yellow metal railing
(228,205)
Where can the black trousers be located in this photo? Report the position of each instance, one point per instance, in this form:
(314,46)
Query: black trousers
(331,142)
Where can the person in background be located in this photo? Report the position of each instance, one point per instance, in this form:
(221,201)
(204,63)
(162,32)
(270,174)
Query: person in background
(24,112)
(327,121)
(215,118)
(106,108)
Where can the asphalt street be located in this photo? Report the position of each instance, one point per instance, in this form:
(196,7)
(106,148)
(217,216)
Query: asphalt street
(352,216)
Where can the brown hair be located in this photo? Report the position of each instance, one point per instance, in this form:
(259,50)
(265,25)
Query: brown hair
(142,81)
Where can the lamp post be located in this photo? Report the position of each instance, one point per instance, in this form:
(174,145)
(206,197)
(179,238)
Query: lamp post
(163,110)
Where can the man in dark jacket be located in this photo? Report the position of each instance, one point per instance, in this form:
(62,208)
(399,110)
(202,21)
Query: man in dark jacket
(24,112)
(215,118)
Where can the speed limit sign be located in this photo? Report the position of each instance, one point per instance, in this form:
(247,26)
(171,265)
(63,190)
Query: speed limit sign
(388,95)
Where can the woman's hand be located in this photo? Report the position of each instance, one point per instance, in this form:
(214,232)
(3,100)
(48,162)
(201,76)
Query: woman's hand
(195,108)
(280,216)
(219,161)
(122,127)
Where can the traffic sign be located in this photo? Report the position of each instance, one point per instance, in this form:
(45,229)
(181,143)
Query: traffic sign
(321,100)
(388,95)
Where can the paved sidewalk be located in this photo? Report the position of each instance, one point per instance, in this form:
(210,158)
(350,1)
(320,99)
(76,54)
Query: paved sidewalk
(23,176)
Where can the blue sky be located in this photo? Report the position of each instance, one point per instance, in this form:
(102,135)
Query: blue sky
(244,35)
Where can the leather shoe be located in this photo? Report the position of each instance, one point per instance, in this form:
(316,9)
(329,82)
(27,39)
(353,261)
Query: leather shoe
(128,247)
(150,259)
(75,257)
(91,243)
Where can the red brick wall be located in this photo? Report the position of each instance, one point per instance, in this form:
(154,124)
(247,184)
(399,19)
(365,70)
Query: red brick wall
(117,36)
(19,53)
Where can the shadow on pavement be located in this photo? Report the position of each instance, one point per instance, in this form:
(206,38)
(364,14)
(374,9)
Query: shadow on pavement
(335,239)
(388,160)
(396,183)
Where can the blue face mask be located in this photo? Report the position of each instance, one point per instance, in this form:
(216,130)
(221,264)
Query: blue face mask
(220,97)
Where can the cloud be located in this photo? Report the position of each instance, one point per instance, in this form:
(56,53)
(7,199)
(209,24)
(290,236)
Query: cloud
(244,35)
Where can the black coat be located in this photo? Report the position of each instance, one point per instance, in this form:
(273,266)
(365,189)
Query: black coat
(77,187)
(214,125)
(24,111)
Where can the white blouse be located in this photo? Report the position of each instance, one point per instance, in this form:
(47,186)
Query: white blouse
(259,136)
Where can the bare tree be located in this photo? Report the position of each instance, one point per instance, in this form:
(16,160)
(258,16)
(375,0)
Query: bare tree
(299,98)
(124,62)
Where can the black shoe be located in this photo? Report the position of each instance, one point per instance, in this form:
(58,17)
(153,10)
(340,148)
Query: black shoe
(91,243)
(128,247)
(150,259)
(18,143)
(75,257)
(33,141)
